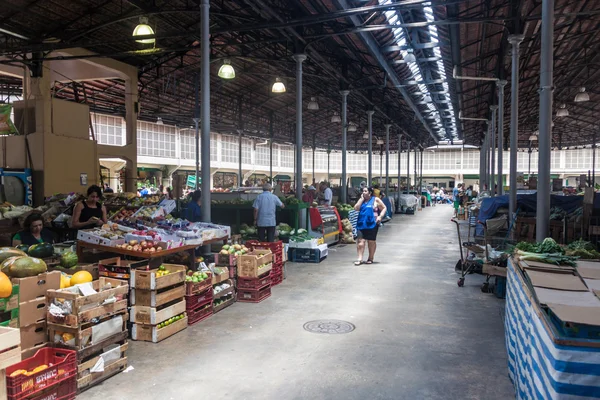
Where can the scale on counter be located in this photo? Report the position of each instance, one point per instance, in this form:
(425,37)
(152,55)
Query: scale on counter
(325,222)
(16,187)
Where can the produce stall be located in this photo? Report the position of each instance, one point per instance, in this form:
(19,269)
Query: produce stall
(552,329)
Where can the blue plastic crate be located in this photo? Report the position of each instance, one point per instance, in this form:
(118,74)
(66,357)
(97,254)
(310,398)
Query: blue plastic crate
(305,255)
(500,287)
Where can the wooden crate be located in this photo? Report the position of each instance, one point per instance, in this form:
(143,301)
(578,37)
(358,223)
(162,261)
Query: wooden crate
(86,308)
(10,353)
(87,358)
(223,276)
(91,268)
(154,298)
(10,347)
(151,333)
(147,280)
(83,335)
(118,268)
(32,312)
(248,264)
(154,316)
(34,287)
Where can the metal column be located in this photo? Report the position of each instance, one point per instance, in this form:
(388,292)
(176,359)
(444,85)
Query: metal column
(545,138)
(299,59)
(407,166)
(416,167)
(482,165)
(399,169)
(344,185)
(328,163)
(197,126)
(205,117)
(515,41)
(387,159)
(370,149)
(240,130)
(492,179)
(271,146)
(594,162)
(501,85)
(420,188)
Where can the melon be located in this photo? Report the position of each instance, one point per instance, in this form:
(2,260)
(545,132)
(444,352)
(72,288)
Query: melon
(7,252)
(80,277)
(22,267)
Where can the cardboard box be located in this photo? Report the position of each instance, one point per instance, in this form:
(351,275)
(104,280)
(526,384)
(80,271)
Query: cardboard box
(36,286)
(552,280)
(34,335)
(32,311)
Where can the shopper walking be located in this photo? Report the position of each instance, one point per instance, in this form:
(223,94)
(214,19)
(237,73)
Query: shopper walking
(370,212)
(456,198)
(265,206)
(327,194)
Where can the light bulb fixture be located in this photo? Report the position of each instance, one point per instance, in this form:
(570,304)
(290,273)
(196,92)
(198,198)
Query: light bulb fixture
(335,118)
(582,96)
(143,29)
(278,86)
(312,104)
(533,138)
(226,71)
(159,121)
(366,135)
(536,133)
(410,57)
(427,98)
(562,111)
(379,141)
(351,127)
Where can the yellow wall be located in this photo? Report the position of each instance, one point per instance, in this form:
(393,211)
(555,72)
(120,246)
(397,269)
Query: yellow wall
(65,159)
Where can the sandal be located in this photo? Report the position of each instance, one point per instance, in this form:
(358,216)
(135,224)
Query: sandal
(358,262)
(369,262)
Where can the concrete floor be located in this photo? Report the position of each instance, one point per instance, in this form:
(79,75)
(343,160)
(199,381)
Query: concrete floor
(418,335)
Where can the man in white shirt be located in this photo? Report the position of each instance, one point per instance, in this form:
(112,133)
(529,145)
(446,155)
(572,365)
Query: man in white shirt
(265,207)
(328,194)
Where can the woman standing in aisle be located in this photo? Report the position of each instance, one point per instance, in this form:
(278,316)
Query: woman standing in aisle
(89,212)
(370,212)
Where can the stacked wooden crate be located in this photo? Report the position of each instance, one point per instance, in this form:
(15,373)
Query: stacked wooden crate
(223,288)
(32,310)
(158,302)
(10,353)
(94,325)
(254,276)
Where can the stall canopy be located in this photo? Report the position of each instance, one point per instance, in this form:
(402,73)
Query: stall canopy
(283,178)
(525,202)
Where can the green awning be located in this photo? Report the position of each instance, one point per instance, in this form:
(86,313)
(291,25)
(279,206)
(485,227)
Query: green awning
(282,178)
(471,176)
(191,181)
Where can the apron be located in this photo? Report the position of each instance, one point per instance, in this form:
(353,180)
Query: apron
(366,217)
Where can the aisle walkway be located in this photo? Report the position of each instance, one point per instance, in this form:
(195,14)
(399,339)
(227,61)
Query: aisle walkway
(418,336)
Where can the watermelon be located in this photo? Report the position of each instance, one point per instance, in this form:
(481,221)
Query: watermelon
(41,250)
(23,247)
(69,260)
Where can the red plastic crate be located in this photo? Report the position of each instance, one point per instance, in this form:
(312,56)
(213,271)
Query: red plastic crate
(200,313)
(197,300)
(65,389)
(232,272)
(64,365)
(276,279)
(255,283)
(253,296)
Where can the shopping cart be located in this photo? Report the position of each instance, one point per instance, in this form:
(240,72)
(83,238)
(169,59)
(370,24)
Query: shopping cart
(472,252)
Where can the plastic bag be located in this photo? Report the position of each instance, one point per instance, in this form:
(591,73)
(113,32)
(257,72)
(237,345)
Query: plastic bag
(6,125)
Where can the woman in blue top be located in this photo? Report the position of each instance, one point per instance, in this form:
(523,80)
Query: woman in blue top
(370,212)
(194,211)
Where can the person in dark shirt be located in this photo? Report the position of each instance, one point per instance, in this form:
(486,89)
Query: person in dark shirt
(108,189)
(194,211)
(90,212)
(34,232)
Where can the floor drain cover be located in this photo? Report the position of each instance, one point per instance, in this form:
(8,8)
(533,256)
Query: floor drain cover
(331,326)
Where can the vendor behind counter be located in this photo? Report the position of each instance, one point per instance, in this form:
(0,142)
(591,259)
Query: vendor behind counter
(34,232)
(90,212)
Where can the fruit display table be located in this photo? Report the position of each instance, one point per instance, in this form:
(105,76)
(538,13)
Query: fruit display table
(81,245)
(235,215)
